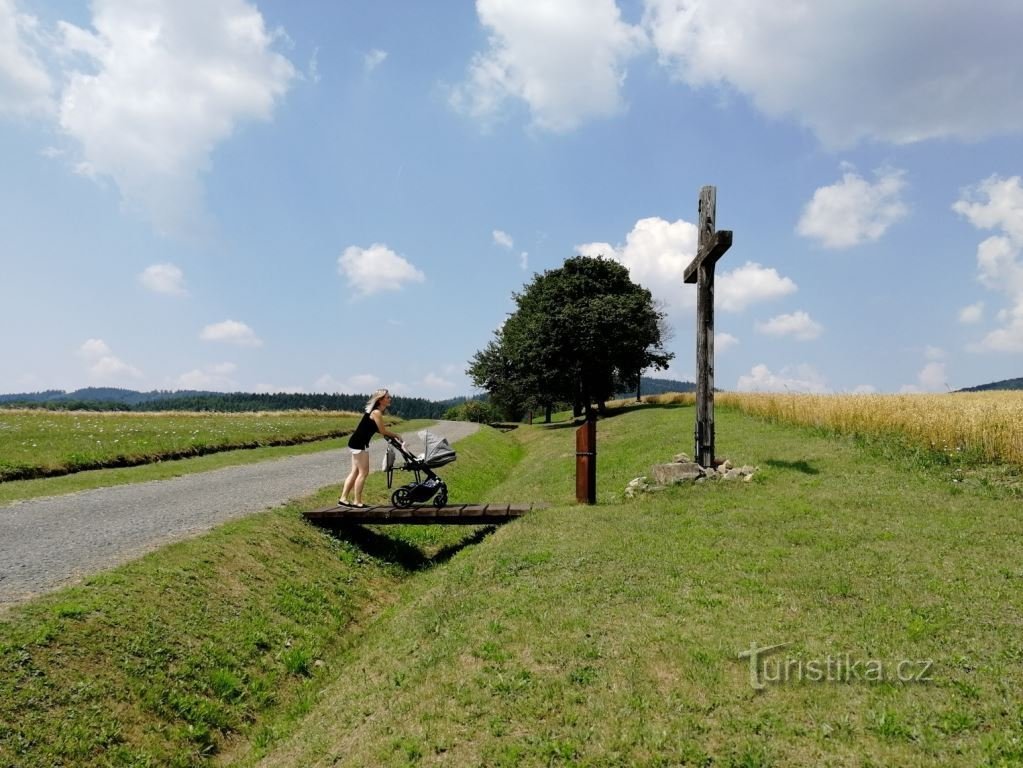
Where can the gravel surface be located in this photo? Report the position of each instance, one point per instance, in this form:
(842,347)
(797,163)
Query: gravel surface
(51,542)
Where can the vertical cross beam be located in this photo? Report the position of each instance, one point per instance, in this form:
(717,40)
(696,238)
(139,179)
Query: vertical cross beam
(704,429)
(710,247)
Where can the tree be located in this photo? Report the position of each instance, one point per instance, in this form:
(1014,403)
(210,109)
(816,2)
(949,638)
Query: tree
(578,334)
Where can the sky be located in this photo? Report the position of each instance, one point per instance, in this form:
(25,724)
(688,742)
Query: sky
(339,196)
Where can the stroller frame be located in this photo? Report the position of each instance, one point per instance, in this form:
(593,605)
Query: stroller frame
(419,491)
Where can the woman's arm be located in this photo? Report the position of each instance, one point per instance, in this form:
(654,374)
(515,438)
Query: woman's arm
(378,419)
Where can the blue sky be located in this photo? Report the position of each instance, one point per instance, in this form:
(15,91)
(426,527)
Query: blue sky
(272,196)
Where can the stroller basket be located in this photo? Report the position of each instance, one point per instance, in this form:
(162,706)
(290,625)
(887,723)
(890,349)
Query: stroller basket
(436,453)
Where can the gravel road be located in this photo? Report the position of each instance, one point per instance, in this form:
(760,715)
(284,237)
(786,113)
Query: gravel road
(51,542)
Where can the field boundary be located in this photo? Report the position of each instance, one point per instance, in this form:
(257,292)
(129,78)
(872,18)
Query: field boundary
(8,474)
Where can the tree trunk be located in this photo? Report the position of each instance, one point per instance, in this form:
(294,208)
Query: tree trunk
(547,409)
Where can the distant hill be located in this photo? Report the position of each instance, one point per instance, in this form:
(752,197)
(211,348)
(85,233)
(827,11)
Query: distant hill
(1007,384)
(653,386)
(99,395)
(111,399)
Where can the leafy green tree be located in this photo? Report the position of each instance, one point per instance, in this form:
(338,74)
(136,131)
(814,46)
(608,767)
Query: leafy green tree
(579,334)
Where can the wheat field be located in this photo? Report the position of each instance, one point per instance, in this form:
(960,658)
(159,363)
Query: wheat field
(988,425)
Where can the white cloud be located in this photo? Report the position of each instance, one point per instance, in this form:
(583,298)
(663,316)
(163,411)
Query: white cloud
(164,278)
(524,261)
(932,376)
(934,353)
(897,72)
(373,59)
(377,268)
(798,324)
(217,378)
(503,239)
(93,349)
(565,60)
(1009,338)
(854,211)
(749,284)
(997,204)
(972,313)
(164,82)
(800,378)
(865,389)
(231,332)
(26,89)
(104,366)
(656,253)
(724,341)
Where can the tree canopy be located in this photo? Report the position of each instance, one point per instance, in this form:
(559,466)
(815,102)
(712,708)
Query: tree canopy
(579,334)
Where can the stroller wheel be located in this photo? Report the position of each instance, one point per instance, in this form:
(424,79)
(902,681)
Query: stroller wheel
(401,498)
(442,496)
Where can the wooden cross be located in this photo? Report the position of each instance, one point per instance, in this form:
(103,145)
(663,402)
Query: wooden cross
(711,247)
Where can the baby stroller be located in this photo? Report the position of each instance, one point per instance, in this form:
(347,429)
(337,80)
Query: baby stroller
(436,453)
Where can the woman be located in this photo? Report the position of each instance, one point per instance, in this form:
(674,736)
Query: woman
(372,422)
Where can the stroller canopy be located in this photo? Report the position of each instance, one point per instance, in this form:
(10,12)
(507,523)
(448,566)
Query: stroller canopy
(436,450)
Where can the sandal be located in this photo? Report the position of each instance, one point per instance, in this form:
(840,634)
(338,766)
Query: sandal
(343,503)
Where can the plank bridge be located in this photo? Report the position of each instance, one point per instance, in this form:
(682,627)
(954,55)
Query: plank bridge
(425,514)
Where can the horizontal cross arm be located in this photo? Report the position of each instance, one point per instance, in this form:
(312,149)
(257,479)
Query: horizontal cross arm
(720,242)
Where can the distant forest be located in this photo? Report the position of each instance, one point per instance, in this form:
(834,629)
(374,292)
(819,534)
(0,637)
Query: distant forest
(1006,384)
(114,399)
(109,399)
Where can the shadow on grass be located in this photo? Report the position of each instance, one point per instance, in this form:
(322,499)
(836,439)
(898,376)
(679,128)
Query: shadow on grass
(401,553)
(795,466)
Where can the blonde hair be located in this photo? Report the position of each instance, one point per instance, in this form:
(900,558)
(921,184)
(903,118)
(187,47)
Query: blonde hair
(375,398)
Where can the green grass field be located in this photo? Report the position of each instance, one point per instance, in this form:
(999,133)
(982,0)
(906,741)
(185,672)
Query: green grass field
(38,443)
(600,636)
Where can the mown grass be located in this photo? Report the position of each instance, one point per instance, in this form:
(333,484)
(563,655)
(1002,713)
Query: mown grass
(16,490)
(610,636)
(597,636)
(35,443)
(214,644)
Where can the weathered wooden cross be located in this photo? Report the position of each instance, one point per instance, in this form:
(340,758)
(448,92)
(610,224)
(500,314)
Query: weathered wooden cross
(711,247)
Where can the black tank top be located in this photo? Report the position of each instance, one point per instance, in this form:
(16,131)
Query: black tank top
(362,434)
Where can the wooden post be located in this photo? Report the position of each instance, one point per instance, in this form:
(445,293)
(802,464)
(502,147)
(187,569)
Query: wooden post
(711,247)
(586,462)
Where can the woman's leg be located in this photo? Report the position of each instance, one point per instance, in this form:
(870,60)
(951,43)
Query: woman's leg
(346,490)
(361,462)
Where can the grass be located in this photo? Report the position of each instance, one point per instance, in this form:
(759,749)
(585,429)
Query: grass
(40,443)
(214,644)
(610,636)
(19,490)
(596,636)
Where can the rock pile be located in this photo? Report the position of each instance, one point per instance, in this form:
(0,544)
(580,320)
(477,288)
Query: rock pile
(685,470)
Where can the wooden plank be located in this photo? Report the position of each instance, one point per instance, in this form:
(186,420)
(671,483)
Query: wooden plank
(455,514)
(719,243)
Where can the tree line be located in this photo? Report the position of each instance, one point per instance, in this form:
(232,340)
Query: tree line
(239,402)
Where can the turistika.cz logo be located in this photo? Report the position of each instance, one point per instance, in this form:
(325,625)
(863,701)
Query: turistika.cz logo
(767,667)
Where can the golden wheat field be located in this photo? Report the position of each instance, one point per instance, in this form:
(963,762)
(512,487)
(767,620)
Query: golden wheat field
(987,424)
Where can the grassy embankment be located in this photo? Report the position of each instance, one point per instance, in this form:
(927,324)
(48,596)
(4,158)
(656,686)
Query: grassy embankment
(39,443)
(210,643)
(576,636)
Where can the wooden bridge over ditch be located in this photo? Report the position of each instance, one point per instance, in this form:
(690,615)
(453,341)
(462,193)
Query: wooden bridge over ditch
(424,514)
